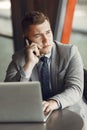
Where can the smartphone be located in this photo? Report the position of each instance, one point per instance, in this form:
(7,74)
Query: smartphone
(29,42)
(26,40)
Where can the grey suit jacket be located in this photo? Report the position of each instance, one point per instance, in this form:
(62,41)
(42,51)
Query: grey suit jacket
(66,73)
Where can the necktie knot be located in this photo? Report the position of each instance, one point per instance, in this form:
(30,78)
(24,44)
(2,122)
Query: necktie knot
(44,59)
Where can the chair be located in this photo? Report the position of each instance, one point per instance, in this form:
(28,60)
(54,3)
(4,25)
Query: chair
(85,85)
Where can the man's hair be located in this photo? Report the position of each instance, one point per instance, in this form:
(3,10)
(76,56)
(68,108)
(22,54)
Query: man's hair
(33,18)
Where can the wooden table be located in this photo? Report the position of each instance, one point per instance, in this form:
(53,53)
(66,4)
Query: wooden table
(59,120)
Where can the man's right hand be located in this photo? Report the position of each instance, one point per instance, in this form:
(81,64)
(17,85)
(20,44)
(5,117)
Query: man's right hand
(32,53)
(32,57)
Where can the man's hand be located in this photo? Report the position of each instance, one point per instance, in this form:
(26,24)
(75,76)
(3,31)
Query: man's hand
(49,105)
(32,54)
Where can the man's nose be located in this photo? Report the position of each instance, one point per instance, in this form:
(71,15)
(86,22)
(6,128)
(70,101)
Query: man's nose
(45,39)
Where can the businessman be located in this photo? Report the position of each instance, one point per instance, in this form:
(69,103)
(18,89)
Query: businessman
(64,85)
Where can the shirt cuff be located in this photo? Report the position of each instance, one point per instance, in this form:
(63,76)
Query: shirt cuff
(23,74)
(58,102)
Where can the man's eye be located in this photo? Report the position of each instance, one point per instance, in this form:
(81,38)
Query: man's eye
(48,32)
(37,36)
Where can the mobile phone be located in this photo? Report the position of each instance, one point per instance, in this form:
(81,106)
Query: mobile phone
(29,42)
(26,40)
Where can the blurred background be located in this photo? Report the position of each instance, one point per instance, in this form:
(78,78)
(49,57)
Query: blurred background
(12,11)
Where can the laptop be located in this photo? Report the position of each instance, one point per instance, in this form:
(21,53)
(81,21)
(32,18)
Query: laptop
(21,102)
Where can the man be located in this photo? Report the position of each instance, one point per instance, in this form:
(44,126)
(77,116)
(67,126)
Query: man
(64,61)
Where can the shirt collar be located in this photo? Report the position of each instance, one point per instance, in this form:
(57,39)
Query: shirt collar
(47,55)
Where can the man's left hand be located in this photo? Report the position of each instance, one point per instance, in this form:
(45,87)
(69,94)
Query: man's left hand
(49,105)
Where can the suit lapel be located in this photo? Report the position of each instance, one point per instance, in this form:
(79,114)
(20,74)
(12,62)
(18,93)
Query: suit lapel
(54,67)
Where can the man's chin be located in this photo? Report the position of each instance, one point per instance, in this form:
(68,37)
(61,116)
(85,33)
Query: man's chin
(45,51)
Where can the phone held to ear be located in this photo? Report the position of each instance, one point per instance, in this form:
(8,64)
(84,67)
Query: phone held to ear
(28,42)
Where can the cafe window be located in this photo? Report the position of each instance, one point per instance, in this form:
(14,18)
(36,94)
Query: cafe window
(6,37)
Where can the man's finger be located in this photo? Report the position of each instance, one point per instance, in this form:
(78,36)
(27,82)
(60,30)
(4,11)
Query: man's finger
(45,105)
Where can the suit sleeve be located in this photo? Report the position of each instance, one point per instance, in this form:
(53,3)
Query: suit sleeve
(15,71)
(73,80)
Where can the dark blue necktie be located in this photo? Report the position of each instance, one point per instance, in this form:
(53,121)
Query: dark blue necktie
(45,78)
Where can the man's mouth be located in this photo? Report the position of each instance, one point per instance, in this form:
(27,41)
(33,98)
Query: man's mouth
(46,46)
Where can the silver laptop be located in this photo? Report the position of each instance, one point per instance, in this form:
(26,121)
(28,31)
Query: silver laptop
(21,102)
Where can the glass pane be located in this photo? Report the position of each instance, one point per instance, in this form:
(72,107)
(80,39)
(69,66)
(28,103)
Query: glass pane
(6,51)
(5,17)
(79,29)
(6,44)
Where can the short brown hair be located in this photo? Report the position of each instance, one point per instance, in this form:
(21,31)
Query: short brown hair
(33,18)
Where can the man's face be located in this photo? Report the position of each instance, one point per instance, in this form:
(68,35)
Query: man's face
(41,34)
